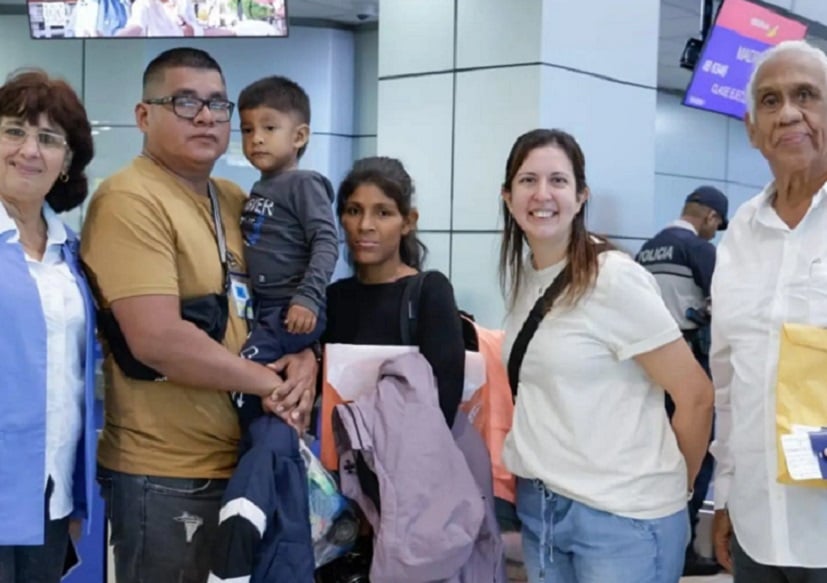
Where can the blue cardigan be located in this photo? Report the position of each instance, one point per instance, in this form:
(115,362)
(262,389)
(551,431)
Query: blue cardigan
(23,398)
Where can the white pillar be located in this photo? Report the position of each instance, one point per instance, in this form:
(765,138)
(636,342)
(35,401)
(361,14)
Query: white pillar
(459,80)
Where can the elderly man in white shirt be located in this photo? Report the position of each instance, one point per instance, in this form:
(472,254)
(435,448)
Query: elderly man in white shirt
(771,269)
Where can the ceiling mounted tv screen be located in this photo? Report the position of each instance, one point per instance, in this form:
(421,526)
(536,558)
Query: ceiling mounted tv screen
(89,19)
(742,31)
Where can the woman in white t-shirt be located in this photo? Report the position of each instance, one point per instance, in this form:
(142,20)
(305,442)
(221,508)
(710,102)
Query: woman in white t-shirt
(602,476)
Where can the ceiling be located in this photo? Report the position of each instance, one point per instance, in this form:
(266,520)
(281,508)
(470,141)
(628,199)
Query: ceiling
(679,20)
(342,11)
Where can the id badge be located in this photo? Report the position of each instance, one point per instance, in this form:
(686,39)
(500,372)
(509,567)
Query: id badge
(240,292)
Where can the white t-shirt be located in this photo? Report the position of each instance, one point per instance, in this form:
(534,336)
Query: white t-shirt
(588,421)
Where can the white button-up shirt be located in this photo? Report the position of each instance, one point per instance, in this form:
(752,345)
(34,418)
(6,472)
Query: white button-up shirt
(767,274)
(65,319)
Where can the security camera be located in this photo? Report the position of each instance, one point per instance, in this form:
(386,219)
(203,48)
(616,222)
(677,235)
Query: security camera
(691,53)
(366,11)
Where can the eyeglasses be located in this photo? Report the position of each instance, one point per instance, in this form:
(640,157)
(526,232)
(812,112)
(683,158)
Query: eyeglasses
(16,136)
(188,106)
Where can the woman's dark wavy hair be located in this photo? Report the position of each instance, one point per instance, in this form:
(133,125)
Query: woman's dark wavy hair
(390,176)
(29,93)
(580,272)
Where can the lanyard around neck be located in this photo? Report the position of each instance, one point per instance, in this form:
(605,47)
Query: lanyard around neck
(219,235)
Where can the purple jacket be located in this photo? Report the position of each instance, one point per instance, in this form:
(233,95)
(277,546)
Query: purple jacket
(431,504)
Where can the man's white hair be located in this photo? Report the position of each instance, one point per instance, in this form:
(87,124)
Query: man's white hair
(800,47)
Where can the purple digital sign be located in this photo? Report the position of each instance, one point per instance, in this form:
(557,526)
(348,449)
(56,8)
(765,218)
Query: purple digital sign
(742,32)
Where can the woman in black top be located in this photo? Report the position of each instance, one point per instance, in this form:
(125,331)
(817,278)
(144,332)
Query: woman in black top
(375,208)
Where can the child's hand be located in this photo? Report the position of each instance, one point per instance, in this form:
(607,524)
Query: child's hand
(299,320)
(300,424)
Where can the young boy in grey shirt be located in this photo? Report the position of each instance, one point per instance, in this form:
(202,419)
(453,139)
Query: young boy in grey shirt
(290,241)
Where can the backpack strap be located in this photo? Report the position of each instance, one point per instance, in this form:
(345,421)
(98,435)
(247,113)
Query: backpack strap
(409,309)
(409,315)
(469,332)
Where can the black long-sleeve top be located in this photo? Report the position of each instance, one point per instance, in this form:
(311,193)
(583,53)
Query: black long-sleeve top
(360,313)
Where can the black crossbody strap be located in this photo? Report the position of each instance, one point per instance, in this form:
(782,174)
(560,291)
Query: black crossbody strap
(532,322)
(409,309)
(535,316)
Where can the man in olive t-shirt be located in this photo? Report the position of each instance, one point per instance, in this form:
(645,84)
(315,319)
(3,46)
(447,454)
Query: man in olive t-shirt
(149,241)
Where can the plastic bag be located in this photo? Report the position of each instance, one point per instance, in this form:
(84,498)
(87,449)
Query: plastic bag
(333,522)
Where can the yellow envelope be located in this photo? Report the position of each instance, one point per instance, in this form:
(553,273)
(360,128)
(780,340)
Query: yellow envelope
(801,391)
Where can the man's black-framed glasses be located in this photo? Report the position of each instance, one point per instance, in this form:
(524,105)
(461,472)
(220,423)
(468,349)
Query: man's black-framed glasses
(189,106)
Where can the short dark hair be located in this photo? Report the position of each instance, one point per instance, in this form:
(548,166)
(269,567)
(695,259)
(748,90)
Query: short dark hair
(279,93)
(29,93)
(695,209)
(178,57)
(389,176)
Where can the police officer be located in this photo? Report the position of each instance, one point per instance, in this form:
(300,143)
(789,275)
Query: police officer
(682,260)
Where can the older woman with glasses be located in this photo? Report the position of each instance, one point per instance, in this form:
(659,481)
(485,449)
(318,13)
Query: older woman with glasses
(47,432)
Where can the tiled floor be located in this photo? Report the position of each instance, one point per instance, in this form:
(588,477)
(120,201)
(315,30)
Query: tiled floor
(517,575)
(515,578)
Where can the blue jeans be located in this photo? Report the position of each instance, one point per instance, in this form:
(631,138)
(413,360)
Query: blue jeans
(568,542)
(162,529)
(269,341)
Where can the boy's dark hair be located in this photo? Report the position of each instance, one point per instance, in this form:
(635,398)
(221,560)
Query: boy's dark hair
(178,57)
(279,93)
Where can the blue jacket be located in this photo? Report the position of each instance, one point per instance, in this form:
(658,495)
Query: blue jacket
(264,525)
(23,399)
